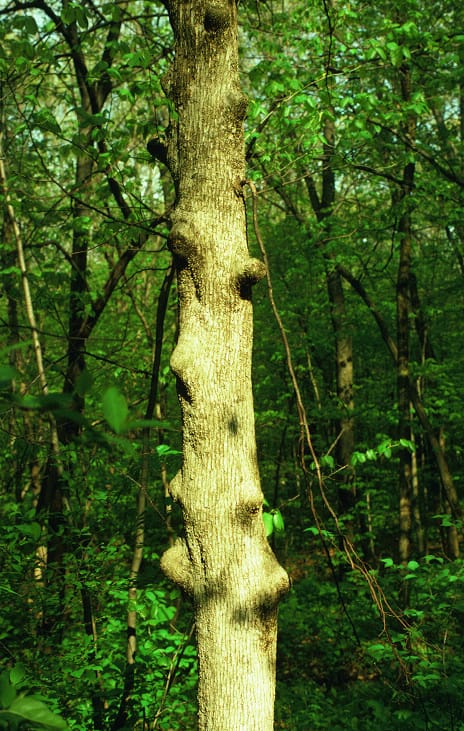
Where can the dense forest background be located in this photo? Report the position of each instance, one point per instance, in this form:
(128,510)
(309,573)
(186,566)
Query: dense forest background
(355,145)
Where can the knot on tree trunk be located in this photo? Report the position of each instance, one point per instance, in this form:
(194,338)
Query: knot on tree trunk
(247,274)
(183,241)
(176,564)
(216,18)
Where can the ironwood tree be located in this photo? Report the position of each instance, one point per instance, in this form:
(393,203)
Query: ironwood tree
(224,561)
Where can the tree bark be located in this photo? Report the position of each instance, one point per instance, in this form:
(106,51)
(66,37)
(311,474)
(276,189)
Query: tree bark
(224,562)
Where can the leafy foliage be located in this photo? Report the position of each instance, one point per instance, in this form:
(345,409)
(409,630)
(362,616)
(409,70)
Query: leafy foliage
(18,710)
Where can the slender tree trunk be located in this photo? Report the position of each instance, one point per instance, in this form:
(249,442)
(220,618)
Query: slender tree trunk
(323,208)
(338,311)
(54,492)
(344,372)
(123,714)
(343,340)
(403,309)
(418,503)
(427,352)
(403,373)
(224,562)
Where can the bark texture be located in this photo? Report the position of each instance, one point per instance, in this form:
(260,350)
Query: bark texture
(224,562)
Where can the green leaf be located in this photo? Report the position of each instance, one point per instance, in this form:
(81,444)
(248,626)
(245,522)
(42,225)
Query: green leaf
(446,520)
(396,53)
(45,120)
(30,26)
(268,524)
(357,458)
(32,530)
(164,450)
(7,691)
(68,14)
(384,448)
(81,16)
(115,409)
(27,23)
(28,708)
(319,532)
(388,563)
(17,673)
(408,444)
(10,270)
(278,521)
(327,461)
(413,565)
(431,558)
(378,651)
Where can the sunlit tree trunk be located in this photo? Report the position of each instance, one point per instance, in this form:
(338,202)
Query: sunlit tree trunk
(224,563)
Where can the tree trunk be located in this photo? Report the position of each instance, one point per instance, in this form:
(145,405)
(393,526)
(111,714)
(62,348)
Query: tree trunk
(403,374)
(224,562)
(122,717)
(403,309)
(323,208)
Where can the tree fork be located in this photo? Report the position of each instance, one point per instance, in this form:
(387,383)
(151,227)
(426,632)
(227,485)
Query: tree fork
(224,562)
